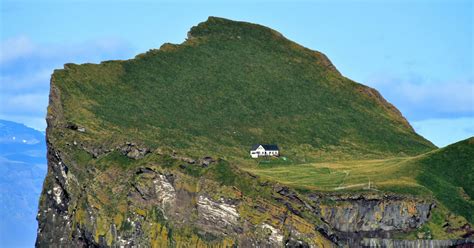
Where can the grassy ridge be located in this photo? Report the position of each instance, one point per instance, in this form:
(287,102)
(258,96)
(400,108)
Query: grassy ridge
(449,174)
(394,174)
(230,85)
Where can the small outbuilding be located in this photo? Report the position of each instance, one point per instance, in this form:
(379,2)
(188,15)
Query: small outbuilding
(260,150)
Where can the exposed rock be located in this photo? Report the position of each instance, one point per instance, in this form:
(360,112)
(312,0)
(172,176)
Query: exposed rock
(184,159)
(153,189)
(373,242)
(275,237)
(145,170)
(133,151)
(189,160)
(165,191)
(384,214)
(53,216)
(293,243)
(215,219)
(96,152)
(206,161)
(285,191)
(71,126)
(217,216)
(75,127)
(352,217)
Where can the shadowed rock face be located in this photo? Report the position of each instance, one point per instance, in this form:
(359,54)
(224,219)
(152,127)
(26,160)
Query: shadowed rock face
(372,215)
(217,216)
(158,203)
(53,217)
(417,243)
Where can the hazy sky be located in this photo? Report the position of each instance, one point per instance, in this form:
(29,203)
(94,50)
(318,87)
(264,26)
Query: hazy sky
(418,54)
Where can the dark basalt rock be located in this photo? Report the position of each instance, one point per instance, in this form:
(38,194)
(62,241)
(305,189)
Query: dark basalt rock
(292,243)
(133,151)
(206,161)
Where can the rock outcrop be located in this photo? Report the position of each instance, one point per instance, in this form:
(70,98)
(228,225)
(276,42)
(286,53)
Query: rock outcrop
(375,214)
(463,243)
(160,206)
(159,209)
(133,151)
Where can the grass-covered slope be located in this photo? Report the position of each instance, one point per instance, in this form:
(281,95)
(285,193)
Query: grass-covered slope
(449,174)
(230,85)
(394,174)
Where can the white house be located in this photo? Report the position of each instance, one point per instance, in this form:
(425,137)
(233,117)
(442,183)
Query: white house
(259,150)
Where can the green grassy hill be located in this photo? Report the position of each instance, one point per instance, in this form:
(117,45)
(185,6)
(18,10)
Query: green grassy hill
(229,85)
(449,174)
(446,174)
(127,136)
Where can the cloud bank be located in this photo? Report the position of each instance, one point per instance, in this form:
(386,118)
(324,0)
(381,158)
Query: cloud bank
(421,99)
(26,67)
(442,111)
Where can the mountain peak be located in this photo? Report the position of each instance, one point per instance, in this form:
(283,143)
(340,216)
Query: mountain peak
(221,26)
(230,85)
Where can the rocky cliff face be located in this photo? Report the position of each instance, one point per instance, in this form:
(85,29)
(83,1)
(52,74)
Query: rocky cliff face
(375,213)
(156,206)
(159,208)
(357,218)
(416,243)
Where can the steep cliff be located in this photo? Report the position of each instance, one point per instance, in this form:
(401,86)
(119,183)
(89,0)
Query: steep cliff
(163,201)
(153,151)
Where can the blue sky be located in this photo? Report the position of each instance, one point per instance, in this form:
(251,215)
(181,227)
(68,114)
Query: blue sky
(418,54)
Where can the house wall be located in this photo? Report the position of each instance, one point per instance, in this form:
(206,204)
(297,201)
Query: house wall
(260,152)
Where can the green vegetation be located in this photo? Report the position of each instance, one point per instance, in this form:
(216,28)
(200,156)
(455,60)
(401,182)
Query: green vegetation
(230,85)
(449,174)
(394,174)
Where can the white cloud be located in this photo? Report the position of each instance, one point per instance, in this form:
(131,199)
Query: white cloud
(419,98)
(446,97)
(443,132)
(26,68)
(21,47)
(29,80)
(15,48)
(25,103)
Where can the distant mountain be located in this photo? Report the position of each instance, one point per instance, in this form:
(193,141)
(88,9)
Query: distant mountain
(22,171)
